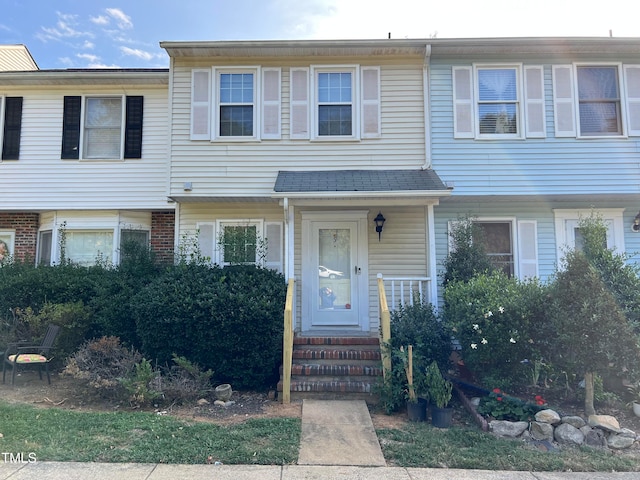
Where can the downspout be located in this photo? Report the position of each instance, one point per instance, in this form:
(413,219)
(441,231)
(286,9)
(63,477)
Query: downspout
(427,107)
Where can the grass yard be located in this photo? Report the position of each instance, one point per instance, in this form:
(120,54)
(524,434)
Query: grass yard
(54,434)
(421,445)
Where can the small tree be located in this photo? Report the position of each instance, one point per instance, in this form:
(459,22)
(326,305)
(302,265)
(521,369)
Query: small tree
(467,256)
(592,333)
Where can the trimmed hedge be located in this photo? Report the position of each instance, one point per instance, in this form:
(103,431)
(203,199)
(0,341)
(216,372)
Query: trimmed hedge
(228,320)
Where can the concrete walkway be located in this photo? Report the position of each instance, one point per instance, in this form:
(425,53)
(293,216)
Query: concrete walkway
(338,432)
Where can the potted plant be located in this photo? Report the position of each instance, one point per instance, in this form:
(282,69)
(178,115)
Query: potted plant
(440,391)
(634,390)
(416,407)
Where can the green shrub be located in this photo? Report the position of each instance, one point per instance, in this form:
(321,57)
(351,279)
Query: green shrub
(184,381)
(501,406)
(139,384)
(500,325)
(229,320)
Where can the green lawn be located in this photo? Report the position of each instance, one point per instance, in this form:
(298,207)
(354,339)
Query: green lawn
(63,435)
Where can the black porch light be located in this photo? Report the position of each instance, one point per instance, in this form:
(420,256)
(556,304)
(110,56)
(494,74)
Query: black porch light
(379,223)
(636,223)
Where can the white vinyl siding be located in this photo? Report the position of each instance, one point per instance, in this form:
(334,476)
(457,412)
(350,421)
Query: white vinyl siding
(271,103)
(67,185)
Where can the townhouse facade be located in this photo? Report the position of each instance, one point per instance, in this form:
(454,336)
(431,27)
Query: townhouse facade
(330,161)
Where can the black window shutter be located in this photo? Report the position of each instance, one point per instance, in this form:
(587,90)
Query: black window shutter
(133,128)
(71,128)
(12,126)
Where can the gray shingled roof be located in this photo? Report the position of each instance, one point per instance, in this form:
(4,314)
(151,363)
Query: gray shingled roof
(357,181)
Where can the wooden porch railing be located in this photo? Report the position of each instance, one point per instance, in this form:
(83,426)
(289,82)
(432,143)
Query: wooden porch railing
(404,290)
(287,347)
(385,327)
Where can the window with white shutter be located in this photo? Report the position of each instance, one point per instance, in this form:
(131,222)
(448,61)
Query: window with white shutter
(527,249)
(563,101)
(632,91)
(370,77)
(200,104)
(206,240)
(274,245)
(299,103)
(463,125)
(271,103)
(535,126)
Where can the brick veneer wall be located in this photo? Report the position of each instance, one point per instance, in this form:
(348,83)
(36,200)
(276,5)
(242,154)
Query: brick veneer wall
(162,235)
(26,227)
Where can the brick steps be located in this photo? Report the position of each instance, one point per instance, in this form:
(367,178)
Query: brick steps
(335,368)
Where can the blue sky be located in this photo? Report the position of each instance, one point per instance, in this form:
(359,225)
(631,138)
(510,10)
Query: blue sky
(99,33)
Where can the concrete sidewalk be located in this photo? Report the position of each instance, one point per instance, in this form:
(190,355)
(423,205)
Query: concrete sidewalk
(125,471)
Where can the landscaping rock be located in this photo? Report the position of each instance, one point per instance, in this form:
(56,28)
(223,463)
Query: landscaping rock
(503,428)
(574,420)
(619,442)
(541,431)
(625,432)
(594,437)
(568,434)
(203,401)
(548,416)
(605,422)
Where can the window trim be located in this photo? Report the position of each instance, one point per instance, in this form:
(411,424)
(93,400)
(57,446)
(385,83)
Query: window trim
(221,223)
(356,101)
(257,103)
(519,102)
(615,230)
(11,234)
(621,100)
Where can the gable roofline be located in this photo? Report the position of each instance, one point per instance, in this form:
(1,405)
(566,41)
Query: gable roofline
(17,55)
(89,76)
(403,47)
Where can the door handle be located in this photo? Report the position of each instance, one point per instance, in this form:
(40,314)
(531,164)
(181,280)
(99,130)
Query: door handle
(358,270)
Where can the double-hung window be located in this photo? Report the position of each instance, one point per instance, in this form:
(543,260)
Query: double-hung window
(497,237)
(335,104)
(236,104)
(496,102)
(498,108)
(599,109)
(102,127)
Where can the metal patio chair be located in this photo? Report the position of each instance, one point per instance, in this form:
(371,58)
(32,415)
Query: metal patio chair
(18,355)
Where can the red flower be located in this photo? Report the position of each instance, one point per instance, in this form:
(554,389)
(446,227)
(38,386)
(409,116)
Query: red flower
(499,399)
(496,390)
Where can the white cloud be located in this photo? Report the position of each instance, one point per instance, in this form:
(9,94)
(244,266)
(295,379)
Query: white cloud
(88,45)
(123,20)
(88,56)
(64,29)
(138,53)
(100,20)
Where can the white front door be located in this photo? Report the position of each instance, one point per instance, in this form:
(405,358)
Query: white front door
(334,272)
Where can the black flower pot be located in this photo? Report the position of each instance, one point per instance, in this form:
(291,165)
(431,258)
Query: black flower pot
(441,417)
(417,411)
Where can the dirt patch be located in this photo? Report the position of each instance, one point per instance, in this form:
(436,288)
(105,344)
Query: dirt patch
(68,393)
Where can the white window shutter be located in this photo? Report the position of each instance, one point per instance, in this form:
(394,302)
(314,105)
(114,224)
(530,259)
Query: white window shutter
(271,103)
(535,126)
(527,249)
(206,240)
(564,108)
(370,78)
(273,259)
(463,116)
(299,103)
(200,104)
(632,87)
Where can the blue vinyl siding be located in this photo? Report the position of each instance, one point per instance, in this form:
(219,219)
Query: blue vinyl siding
(533,166)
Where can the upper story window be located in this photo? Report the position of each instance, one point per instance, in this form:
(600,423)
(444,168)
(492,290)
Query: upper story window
(10,127)
(236,104)
(498,101)
(599,100)
(102,128)
(596,100)
(335,114)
